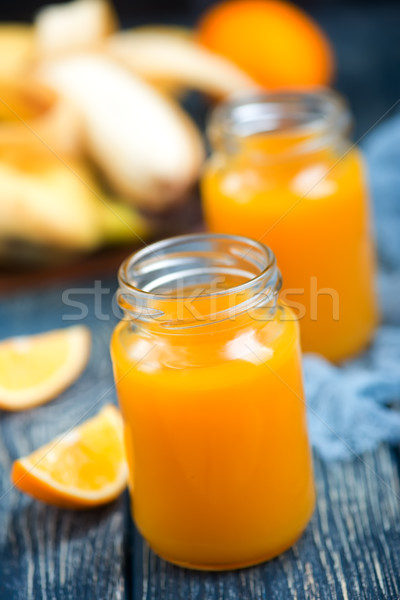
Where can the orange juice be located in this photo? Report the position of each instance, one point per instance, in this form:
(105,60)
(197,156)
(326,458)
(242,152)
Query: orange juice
(211,392)
(283,174)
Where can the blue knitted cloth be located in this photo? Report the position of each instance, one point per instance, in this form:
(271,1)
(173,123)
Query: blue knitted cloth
(352,408)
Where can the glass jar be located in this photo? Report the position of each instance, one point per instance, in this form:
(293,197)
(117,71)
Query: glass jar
(283,172)
(208,376)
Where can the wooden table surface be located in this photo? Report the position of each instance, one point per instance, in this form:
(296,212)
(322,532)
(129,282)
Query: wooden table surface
(351,549)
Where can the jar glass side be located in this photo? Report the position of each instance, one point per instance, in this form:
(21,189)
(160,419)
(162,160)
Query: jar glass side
(295,182)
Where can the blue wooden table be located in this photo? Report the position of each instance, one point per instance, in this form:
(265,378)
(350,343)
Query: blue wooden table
(351,549)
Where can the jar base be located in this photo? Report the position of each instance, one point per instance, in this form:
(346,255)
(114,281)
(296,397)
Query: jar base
(234,565)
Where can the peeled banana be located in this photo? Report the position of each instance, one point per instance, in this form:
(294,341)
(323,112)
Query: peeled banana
(145,144)
(72,26)
(167,58)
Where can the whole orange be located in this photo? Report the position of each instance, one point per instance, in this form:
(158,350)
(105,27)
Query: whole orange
(275,42)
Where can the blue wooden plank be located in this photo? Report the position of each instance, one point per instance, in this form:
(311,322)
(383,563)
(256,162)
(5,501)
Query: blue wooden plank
(46,552)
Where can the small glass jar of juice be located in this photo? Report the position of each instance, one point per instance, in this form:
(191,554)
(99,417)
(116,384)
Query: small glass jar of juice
(208,376)
(283,172)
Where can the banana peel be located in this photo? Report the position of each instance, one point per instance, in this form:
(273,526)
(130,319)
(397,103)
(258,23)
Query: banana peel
(59,204)
(17,49)
(120,223)
(32,114)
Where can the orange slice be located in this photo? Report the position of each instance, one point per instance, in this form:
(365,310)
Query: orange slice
(82,468)
(35,369)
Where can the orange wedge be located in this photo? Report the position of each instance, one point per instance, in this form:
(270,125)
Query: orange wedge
(82,468)
(35,369)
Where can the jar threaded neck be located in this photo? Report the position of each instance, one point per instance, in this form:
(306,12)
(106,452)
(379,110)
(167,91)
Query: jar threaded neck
(308,120)
(192,280)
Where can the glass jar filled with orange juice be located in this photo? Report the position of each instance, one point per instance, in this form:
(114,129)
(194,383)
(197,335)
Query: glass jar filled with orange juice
(284,173)
(208,375)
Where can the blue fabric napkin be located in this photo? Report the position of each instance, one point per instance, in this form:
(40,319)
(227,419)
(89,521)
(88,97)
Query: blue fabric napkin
(352,408)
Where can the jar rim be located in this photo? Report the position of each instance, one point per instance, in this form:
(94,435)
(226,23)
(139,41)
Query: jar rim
(322,110)
(168,242)
(145,304)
